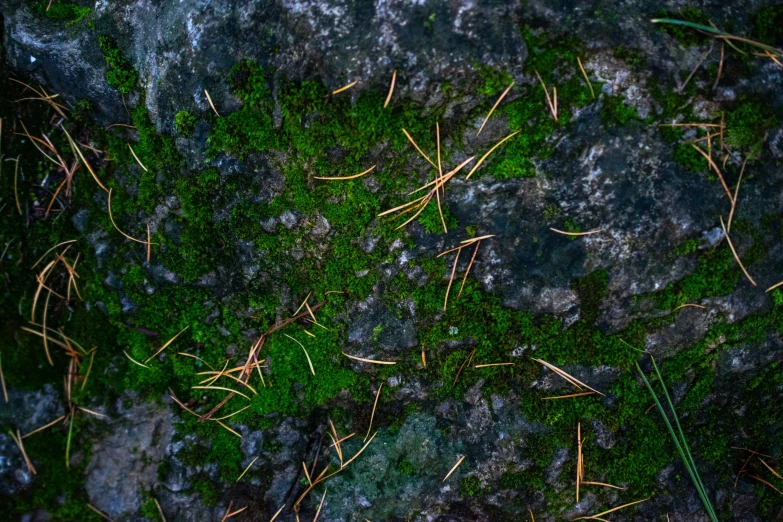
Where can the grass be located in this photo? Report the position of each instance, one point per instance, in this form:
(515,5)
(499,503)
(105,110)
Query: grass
(679,439)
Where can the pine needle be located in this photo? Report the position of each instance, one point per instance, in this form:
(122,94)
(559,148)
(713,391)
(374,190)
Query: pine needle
(344,88)
(209,99)
(451,280)
(452,470)
(229,429)
(118,228)
(500,99)
(467,361)
(334,178)
(583,482)
(100,513)
(424,356)
(595,517)
(575,382)
(765,482)
(494,364)
(18,439)
(778,475)
(371,361)
(134,361)
(315,519)
(166,345)
(137,158)
(714,167)
(490,151)
(305,352)
(372,415)
(470,265)
(565,233)
(240,410)
(221,388)
(247,468)
(391,89)
(686,305)
(276,514)
(584,73)
(149,243)
(580,394)
(736,195)
(75,147)
(160,510)
(16,183)
(2,380)
(736,257)
(579,464)
(551,101)
(418,149)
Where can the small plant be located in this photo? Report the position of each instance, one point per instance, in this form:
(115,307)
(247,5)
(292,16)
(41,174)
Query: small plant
(120,74)
(679,440)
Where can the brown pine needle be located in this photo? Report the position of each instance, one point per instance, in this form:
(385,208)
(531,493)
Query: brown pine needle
(336,442)
(209,99)
(174,398)
(149,243)
(305,352)
(500,99)
(490,151)
(221,388)
(595,517)
(770,469)
(36,430)
(18,439)
(92,412)
(765,482)
(418,149)
(137,158)
(581,394)
(100,513)
(315,519)
(452,470)
(195,357)
(16,182)
(118,228)
(391,89)
(309,333)
(371,361)
(470,265)
(584,73)
(424,356)
(49,251)
(736,194)
(467,361)
(575,382)
(451,280)
(2,381)
(247,468)
(240,410)
(276,514)
(583,482)
(166,345)
(493,364)
(549,100)
(160,510)
(43,323)
(565,233)
(372,415)
(439,177)
(716,169)
(532,518)
(689,305)
(229,429)
(773,287)
(578,458)
(346,177)
(134,361)
(736,257)
(344,88)
(474,239)
(75,147)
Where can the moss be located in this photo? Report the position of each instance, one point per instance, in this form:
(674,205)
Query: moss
(494,81)
(470,486)
(406,468)
(185,123)
(615,112)
(630,56)
(688,157)
(747,126)
(121,74)
(69,12)
(768,25)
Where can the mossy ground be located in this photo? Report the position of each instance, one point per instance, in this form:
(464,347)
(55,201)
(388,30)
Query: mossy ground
(326,135)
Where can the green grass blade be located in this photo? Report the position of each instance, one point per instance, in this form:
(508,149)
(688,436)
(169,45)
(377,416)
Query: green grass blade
(683,440)
(68,445)
(692,471)
(692,25)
